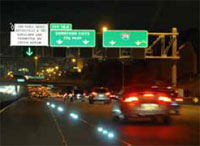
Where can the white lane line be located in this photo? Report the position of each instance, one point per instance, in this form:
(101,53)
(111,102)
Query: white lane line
(59,129)
(124,142)
(10,105)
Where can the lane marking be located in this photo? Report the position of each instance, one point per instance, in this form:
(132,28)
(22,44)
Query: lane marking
(91,125)
(124,142)
(94,127)
(59,129)
(10,105)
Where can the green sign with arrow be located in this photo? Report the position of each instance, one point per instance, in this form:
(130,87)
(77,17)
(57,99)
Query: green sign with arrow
(125,38)
(73,38)
(29,52)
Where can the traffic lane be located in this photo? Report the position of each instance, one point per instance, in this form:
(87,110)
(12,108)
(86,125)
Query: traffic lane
(79,131)
(183,130)
(28,122)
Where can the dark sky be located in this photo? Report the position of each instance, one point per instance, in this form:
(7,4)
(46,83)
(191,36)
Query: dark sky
(150,15)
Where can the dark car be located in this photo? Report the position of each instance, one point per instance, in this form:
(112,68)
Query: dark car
(69,94)
(135,102)
(176,100)
(100,94)
(80,94)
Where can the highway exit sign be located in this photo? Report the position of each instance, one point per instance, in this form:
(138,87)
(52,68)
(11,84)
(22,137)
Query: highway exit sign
(72,38)
(60,26)
(125,39)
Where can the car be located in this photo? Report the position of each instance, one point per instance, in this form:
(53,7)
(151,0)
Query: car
(79,94)
(136,102)
(101,94)
(177,101)
(69,95)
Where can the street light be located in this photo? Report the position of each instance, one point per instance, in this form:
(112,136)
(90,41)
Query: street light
(57,67)
(36,60)
(104,28)
(73,60)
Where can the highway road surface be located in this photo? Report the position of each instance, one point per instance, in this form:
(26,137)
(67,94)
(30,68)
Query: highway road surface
(32,122)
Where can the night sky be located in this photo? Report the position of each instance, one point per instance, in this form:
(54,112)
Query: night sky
(148,15)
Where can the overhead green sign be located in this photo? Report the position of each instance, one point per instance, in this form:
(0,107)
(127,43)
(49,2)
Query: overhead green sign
(60,26)
(29,51)
(125,38)
(72,38)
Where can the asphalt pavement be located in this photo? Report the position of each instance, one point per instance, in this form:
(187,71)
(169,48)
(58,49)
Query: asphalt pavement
(33,122)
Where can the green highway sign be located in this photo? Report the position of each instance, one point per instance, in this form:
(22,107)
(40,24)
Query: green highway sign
(29,52)
(60,26)
(125,38)
(72,38)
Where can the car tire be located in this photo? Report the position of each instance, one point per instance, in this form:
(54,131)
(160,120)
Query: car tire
(71,100)
(107,102)
(166,120)
(91,102)
(177,112)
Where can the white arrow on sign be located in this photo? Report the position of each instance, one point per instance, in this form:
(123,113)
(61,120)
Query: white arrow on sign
(59,41)
(112,42)
(138,43)
(85,42)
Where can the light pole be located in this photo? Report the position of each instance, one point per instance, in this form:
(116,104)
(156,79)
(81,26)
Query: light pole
(123,80)
(36,62)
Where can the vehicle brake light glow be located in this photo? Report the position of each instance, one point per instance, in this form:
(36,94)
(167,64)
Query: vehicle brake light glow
(107,93)
(179,99)
(131,99)
(165,99)
(94,93)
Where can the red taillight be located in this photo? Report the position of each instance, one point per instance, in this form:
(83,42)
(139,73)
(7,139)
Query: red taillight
(84,94)
(107,93)
(131,99)
(94,94)
(164,99)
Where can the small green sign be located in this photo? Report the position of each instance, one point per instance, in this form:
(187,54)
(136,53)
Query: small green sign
(72,38)
(29,52)
(60,26)
(125,38)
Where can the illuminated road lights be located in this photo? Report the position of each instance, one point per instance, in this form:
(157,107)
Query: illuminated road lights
(110,135)
(48,103)
(74,116)
(100,129)
(60,109)
(105,131)
(53,105)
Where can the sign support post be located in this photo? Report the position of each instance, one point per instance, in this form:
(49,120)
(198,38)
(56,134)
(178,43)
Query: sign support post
(174,51)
